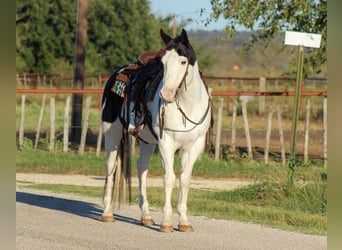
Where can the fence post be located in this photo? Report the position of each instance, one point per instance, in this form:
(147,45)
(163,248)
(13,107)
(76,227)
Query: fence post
(234,127)
(281,137)
(262,88)
(85,126)
(66,125)
(218,130)
(22,122)
(40,121)
(99,141)
(325,132)
(307,130)
(99,100)
(52,123)
(268,135)
(229,103)
(246,126)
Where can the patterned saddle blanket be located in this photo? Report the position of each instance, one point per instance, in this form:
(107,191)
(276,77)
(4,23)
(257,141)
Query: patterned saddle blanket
(146,68)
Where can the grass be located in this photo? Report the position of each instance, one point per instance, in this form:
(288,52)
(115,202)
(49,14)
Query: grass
(269,201)
(40,161)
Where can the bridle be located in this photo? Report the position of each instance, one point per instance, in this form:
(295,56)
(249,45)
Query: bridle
(185,117)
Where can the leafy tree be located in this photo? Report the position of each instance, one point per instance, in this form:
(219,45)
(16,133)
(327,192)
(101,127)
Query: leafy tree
(118,31)
(269,18)
(44,33)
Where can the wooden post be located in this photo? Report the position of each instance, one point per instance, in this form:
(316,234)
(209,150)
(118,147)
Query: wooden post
(22,122)
(85,126)
(246,126)
(234,127)
(218,129)
(99,141)
(99,101)
(325,132)
(307,130)
(52,123)
(281,137)
(40,121)
(262,88)
(66,125)
(268,135)
(229,103)
(133,144)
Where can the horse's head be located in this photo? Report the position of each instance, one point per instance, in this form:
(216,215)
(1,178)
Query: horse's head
(179,54)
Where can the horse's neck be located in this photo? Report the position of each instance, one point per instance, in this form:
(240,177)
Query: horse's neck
(193,88)
(193,96)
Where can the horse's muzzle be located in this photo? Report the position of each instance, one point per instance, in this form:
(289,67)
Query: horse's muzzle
(168,95)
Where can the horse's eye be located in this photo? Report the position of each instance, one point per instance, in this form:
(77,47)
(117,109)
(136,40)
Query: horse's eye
(183,62)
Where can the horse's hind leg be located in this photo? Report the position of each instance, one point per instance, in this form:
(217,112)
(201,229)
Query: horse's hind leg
(146,151)
(112,133)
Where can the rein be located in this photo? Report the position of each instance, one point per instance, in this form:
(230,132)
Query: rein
(188,119)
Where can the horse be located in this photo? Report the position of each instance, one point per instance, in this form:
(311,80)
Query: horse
(180,117)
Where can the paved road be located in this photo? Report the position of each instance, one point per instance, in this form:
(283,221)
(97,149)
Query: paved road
(47,220)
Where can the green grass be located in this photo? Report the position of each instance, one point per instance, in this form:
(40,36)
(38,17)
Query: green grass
(40,161)
(295,208)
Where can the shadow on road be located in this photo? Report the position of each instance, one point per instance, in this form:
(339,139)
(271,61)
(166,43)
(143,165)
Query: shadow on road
(80,208)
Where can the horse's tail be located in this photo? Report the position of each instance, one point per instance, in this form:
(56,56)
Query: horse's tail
(122,177)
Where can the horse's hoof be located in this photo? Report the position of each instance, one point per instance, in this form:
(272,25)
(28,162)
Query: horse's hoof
(185,228)
(108,218)
(147,221)
(166,228)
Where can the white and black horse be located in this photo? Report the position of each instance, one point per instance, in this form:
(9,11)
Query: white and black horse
(179,117)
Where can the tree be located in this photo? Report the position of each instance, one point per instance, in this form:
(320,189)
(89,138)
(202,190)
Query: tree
(118,31)
(269,18)
(44,33)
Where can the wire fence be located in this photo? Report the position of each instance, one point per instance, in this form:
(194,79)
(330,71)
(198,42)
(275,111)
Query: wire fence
(262,96)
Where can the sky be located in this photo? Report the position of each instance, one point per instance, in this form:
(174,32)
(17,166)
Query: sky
(185,9)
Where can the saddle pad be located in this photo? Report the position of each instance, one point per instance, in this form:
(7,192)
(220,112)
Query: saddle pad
(119,87)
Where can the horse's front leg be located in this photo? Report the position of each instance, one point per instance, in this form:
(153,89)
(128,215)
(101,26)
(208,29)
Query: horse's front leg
(112,134)
(188,159)
(146,151)
(167,158)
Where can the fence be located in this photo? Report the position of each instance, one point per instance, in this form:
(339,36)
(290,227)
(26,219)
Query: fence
(219,91)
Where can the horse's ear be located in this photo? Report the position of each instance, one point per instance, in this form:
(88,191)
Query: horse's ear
(184,37)
(165,37)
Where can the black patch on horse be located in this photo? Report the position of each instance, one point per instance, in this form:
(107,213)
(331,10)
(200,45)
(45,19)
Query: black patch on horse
(111,101)
(181,45)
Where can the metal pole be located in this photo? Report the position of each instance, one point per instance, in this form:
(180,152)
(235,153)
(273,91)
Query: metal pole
(292,158)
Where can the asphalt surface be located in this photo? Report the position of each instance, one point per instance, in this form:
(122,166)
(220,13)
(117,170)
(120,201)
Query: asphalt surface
(47,220)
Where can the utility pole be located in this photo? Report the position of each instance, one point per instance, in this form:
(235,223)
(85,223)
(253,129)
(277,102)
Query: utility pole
(174,25)
(79,70)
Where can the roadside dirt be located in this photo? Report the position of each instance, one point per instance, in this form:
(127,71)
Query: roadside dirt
(83,180)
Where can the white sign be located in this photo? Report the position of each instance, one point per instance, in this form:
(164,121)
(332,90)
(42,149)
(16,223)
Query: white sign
(301,38)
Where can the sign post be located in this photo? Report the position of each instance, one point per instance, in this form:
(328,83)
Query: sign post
(301,40)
